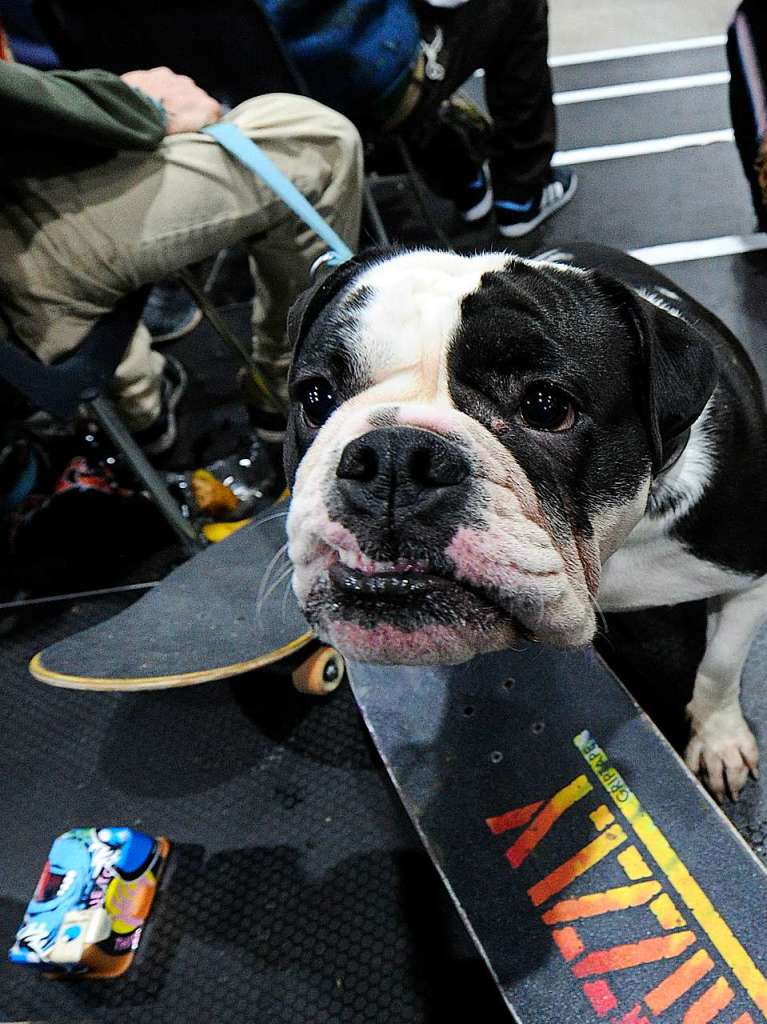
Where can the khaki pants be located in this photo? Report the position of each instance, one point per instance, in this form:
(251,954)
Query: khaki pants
(70,246)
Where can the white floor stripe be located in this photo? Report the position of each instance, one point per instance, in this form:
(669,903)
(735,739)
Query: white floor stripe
(621,150)
(702,249)
(643,50)
(609,92)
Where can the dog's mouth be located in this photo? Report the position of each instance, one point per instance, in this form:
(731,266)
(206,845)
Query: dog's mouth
(399,582)
(357,577)
(406,611)
(436,598)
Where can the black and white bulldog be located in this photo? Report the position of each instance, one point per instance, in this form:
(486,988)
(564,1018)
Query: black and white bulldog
(487,449)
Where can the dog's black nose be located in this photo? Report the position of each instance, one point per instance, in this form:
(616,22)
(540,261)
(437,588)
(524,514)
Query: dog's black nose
(399,467)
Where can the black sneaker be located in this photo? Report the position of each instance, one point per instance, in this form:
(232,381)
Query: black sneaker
(516,218)
(475,200)
(161,435)
(269,426)
(170,312)
(267,421)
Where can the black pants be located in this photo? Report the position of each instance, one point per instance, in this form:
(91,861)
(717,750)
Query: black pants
(509,39)
(747,57)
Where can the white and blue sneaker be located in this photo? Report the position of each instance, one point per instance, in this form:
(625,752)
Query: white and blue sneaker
(475,200)
(515,218)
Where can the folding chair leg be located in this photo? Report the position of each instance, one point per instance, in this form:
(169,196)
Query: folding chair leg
(105,414)
(219,325)
(372,212)
(420,193)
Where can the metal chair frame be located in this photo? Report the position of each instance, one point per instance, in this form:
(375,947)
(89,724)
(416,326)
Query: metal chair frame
(82,379)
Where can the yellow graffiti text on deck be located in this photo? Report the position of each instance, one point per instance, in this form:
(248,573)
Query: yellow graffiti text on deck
(659,848)
(682,917)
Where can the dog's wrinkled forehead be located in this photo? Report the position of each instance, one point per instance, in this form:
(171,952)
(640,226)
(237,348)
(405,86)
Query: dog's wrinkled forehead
(411,315)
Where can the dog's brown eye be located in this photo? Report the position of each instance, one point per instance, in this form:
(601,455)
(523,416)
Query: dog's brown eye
(547,407)
(317,400)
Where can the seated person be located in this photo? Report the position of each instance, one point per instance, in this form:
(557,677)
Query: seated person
(107,185)
(747,58)
(394,66)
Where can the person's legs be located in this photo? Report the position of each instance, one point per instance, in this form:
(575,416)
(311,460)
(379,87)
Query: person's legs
(518,89)
(457,49)
(59,271)
(747,59)
(509,39)
(71,246)
(519,97)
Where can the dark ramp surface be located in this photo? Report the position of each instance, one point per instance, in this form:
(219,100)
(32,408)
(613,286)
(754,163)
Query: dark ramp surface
(297,892)
(643,68)
(630,118)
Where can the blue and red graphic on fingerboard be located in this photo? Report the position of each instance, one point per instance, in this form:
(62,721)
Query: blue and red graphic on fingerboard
(91,903)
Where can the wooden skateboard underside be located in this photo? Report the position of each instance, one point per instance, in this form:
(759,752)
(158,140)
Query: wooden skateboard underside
(597,878)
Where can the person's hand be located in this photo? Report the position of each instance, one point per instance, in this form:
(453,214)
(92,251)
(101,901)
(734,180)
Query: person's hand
(188,107)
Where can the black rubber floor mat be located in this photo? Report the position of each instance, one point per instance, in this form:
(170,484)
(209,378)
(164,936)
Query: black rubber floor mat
(297,889)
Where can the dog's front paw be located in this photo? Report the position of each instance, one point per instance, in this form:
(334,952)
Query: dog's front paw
(722,750)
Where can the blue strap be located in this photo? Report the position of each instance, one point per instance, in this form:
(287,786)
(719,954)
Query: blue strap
(23,485)
(247,152)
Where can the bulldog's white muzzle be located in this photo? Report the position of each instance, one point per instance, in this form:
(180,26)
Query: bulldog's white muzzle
(471,567)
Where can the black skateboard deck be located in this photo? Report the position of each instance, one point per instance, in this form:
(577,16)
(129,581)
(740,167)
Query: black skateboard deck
(597,878)
(226,611)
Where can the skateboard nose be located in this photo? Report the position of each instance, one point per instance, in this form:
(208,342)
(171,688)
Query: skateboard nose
(395,468)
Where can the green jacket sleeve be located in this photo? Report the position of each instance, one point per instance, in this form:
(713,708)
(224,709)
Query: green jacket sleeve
(78,112)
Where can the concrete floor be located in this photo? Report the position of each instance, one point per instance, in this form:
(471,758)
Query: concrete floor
(581,25)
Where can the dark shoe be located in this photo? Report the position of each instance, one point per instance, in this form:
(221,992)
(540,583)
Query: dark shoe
(267,421)
(268,426)
(170,312)
(161,435)
(514,218)
(475,200)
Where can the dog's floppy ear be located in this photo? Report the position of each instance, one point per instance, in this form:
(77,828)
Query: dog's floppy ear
(678,368)
(328,282)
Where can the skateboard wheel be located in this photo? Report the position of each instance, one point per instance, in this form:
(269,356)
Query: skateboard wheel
(321,673)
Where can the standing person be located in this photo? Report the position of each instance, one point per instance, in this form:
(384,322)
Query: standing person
(393,65)
(747,58)
(106,184)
